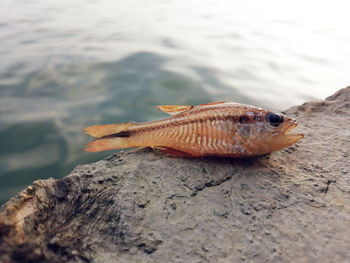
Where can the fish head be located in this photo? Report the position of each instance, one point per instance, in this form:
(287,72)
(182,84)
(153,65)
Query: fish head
(264,131)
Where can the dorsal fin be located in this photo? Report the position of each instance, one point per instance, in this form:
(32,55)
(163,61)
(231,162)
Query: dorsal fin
(174,109)
(212,103)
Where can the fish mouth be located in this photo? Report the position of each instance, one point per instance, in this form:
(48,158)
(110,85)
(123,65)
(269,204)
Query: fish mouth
(288,128)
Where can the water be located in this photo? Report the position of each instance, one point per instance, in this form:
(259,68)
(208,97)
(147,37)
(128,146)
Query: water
(69,64)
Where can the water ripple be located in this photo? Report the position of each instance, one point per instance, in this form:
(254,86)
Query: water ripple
(69,64)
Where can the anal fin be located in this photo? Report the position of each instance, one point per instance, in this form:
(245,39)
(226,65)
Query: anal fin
(173,152)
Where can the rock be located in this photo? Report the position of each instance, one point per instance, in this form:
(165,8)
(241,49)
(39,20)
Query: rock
(143,206)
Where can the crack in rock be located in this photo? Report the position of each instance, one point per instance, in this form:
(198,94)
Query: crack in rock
(209,184)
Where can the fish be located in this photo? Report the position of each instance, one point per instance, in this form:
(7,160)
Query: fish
(225,129)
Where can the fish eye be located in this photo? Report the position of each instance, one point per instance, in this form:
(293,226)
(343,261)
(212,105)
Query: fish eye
(275,119)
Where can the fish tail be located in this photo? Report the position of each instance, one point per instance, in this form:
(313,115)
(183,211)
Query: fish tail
(108,144)
(99,131)
(108,137)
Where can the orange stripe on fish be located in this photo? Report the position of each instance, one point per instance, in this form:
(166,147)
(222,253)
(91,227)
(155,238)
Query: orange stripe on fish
(221,129)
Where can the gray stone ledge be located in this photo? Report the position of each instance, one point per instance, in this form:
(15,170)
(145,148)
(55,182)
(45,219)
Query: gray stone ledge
(143,206)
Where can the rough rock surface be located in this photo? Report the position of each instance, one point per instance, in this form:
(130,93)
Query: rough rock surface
(143,206)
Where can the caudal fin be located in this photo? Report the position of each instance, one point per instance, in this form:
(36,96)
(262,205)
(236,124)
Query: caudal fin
(108,137)
(108,144)
(98,131)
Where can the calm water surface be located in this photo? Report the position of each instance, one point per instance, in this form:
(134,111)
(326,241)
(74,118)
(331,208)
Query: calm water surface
(69,64)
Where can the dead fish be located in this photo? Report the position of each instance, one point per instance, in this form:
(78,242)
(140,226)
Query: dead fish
(214,129)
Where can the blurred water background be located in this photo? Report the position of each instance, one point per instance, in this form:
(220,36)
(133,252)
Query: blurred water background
(68,64)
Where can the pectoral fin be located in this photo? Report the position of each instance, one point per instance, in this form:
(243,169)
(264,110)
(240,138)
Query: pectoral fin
(174,109)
